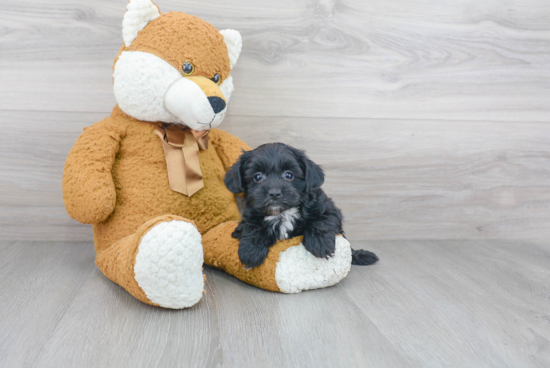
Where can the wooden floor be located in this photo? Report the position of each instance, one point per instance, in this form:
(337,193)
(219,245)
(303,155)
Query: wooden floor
(426,304)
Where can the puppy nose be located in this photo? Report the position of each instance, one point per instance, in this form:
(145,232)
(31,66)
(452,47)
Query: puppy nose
(274,193)
(217,104)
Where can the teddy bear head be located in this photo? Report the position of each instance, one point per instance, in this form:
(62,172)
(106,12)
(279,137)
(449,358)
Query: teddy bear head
(174,67)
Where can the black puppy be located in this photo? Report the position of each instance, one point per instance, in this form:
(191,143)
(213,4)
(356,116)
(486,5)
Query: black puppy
(282,197)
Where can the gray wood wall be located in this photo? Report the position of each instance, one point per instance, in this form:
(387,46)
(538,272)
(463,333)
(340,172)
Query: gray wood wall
(431,118)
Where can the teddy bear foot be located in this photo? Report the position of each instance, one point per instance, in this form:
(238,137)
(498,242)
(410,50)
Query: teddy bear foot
(169,265)
(300,270)
(160,264)
(288,268)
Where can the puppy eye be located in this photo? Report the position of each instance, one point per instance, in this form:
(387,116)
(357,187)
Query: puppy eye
(288,175)
(216,78)
(188,68)
(258,177)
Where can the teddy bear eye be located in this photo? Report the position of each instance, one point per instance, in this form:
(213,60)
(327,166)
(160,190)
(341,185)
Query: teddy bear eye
(188,68)
(258,177)
(216,78)
(288,175)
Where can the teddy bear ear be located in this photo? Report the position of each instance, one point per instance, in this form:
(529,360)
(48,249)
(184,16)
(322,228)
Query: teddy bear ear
(234,43)
(138,14)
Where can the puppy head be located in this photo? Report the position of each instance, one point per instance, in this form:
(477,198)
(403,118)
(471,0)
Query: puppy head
(274,177)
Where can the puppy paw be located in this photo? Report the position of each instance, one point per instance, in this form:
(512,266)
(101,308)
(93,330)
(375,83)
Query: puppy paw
(236,234)
(321,246)
(252,253)
(238,231)
(363,257)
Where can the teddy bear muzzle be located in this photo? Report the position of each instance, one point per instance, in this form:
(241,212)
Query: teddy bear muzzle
(197,101)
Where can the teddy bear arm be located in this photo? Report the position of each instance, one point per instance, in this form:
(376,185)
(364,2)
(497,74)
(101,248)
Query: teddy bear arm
(88,189)
(228,147)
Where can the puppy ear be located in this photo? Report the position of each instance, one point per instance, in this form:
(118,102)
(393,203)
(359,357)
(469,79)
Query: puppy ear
(314,175)
(234,177)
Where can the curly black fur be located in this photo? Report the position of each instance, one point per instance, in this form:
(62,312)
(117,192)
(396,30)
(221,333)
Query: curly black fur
(262,175)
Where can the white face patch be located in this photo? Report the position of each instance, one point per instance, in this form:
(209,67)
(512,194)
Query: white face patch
(284,221)
(227,88)
(149,89)
(140,84)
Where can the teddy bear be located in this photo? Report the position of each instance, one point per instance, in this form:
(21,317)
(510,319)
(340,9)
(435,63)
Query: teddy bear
(149,178)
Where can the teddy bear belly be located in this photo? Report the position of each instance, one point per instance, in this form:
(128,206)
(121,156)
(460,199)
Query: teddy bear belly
(143,193)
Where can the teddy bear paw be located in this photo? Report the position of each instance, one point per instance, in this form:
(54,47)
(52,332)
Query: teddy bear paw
(169,263)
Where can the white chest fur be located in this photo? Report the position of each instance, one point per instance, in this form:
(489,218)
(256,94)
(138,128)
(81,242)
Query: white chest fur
(284,221)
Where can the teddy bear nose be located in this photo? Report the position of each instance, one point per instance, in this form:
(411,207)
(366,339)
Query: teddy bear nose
(217,104)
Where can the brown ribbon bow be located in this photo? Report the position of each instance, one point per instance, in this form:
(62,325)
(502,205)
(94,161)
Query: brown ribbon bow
(181,147)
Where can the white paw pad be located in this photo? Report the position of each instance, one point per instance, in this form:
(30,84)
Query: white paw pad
(169,265)
(299,270)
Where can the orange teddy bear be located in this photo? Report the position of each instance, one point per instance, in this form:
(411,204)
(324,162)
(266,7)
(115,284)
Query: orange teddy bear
(150,177)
